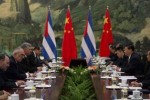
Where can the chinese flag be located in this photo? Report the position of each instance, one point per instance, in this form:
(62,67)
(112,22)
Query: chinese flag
(107,37)
(69,50)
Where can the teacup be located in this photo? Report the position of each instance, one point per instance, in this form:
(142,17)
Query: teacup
(39,75)
(137,94)
(29,83)
(44,68)
(124,82)
(14,96)
(115,74)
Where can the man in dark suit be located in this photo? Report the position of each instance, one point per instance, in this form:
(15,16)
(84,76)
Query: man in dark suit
(25,63)
(145,82)
(133,66)
(34,58)
(6,83)
(15,72)
(122,58)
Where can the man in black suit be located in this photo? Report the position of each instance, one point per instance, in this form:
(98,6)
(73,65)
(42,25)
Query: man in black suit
(34,58)
(133,66)
(145,82)
(122,58)
(25,63)
(6,83)
(15,71)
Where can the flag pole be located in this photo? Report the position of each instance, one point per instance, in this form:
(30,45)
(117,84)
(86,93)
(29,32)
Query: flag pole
(107,7)
(69,7)
(89,7)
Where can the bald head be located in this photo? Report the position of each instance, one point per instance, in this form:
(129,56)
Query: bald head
(18,54)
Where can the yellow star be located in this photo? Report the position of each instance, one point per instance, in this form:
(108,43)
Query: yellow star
(64,31)
(103,30)
(107,31)
(105,20)
(68,31)
(110,28)
(67,21)
(72,28)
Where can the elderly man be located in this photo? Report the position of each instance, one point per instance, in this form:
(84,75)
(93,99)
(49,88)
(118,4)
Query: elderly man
(15,71)
(145,82)
(26,65)
(6,83)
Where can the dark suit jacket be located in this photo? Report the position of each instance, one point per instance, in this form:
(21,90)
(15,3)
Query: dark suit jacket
(122,62)
(5,83)
(34,60)
(27,67)
(15,70)
(146,79)
(134,66)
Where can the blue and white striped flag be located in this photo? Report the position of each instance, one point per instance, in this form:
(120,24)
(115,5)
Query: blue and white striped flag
(49,44)
(88,46)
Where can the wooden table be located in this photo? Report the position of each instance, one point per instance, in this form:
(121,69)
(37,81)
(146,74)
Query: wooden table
(106,94)
(52,93)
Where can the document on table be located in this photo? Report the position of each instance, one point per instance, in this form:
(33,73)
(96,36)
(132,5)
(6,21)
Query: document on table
(127,77)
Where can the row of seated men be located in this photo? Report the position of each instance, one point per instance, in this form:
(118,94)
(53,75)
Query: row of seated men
(125,59)
(16,68)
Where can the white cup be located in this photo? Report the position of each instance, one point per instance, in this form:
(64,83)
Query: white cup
(29,83)
(32,94)
(137,94)
(39,75)
(123,82)
(14,96)
(44,68)
(115,74)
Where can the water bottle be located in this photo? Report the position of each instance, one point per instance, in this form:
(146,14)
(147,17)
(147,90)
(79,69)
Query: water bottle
(114,94)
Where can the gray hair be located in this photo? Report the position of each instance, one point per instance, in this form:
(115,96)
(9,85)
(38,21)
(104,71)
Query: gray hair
(17,50)
(25,45)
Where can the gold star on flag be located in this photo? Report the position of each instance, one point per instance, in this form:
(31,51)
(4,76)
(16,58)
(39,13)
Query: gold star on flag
(72,28)
(64,31)
(107,31)
(67,21)
(106,20)
(68,31)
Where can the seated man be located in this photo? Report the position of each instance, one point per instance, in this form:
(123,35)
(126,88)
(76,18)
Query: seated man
(26,63)
(34,58)
(5,83)
(4,95)
(15,71)
(133,67)
(145,82)
(122,58)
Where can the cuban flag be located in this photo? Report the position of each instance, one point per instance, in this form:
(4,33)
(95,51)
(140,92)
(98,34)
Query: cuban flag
(49,44)
(88,46)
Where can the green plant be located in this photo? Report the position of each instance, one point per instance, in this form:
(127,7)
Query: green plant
(78,85)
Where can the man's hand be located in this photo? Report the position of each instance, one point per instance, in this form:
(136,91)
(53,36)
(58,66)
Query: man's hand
(135,84)
(20,82)
(39,68)
(4,96)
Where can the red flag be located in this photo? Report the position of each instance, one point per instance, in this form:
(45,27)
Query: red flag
(107,37)
(69,50)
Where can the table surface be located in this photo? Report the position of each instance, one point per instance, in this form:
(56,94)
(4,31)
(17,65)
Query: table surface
(54,92)
(107,94)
